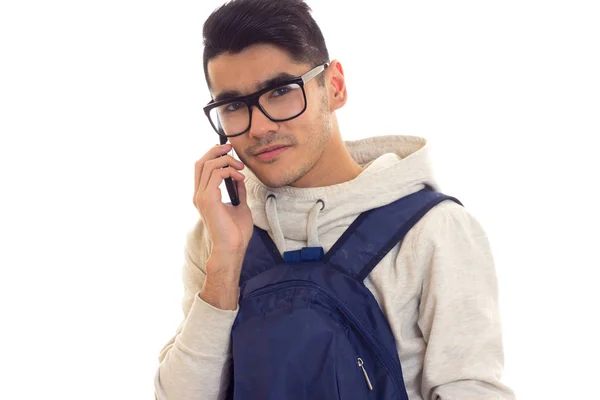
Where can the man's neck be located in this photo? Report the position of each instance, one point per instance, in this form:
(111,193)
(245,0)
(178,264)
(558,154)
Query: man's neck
(333,168)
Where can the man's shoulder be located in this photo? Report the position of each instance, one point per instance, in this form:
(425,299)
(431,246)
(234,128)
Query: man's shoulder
(447,220)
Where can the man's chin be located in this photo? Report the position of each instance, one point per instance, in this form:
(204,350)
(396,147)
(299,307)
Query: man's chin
(272,182)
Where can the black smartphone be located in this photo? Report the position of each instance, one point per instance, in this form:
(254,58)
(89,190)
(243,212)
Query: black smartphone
(230,184)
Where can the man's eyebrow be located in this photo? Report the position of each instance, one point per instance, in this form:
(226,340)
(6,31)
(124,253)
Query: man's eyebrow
(231,94)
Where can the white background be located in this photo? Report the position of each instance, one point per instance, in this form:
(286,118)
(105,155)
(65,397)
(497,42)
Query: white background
(101,123)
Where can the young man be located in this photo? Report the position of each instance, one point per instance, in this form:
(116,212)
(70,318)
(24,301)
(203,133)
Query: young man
(305,186)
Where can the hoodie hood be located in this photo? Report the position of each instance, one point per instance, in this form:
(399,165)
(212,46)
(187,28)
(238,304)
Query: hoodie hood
(394,166)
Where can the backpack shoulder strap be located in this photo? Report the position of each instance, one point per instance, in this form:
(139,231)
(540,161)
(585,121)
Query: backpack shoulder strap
(261,255)
(361,247)
(375,232)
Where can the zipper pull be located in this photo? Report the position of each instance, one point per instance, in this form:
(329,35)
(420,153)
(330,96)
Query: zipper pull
(361,365)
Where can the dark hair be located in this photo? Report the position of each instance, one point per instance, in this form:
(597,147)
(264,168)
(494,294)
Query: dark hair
(286,24)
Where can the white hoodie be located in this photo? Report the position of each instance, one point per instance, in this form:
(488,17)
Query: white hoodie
(438,289)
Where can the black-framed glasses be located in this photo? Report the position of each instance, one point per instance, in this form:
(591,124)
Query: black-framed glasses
(279,102)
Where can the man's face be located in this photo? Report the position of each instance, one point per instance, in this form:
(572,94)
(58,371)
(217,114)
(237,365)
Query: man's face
(307,135)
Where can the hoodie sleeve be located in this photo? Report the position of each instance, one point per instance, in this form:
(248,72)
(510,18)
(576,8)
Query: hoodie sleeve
(194,364)
(459,314)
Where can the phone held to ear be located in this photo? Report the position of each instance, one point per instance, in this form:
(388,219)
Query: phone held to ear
(229,184)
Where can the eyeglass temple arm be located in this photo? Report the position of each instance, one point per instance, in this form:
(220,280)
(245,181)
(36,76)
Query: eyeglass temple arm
(314,72)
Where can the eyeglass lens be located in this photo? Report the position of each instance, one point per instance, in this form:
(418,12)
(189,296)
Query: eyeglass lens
(281,103)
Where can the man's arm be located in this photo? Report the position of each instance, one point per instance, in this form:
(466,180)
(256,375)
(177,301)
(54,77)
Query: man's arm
(459,315)
(194,364)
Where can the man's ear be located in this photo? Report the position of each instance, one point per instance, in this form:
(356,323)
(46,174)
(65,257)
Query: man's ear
(336,85)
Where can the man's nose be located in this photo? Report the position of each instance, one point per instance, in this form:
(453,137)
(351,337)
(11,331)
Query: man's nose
(260,124)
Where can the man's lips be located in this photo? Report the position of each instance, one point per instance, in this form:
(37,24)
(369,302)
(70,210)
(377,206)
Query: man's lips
(270,148)
(271,152)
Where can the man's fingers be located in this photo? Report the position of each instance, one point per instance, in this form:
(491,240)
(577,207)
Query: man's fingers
(218,175)
(212,154)
(211,165)
(212,191)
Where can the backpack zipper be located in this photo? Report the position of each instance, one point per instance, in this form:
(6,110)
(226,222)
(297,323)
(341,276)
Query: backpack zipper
(361,365)
(380,351)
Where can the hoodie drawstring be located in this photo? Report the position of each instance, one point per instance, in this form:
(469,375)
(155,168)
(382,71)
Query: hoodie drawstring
(311,225)
(314,250)
(273,218)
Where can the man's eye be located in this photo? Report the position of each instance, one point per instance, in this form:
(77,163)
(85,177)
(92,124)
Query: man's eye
(281,91)
(233,107)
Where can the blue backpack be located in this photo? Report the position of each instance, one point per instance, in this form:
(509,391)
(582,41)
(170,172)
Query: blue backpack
(308,328)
